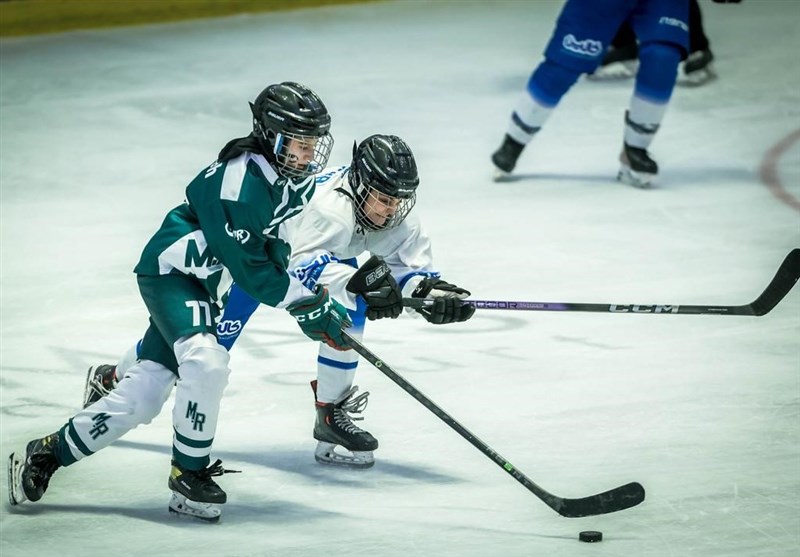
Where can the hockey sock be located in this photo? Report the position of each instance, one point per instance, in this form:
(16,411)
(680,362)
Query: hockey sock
(548,83)
(654,84)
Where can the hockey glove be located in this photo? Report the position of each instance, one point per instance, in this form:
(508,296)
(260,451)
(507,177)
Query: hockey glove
(373,281)
(448,305)
(322,318)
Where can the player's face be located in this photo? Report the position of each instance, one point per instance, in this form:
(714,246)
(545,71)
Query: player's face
(300,151)
(379,207)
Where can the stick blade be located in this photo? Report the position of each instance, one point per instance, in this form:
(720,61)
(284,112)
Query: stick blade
(617,499)
(781,284)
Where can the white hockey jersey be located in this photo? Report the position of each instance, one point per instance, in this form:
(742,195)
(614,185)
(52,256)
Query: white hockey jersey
(326,233)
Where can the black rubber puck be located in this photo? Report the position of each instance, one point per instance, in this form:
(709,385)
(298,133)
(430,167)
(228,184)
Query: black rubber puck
(590,536)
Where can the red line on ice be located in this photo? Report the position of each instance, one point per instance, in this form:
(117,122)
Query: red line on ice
(769,170)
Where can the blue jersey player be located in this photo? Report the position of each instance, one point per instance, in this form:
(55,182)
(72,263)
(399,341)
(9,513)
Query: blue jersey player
(583,32)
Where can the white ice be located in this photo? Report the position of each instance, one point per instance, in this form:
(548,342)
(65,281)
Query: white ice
(100,131)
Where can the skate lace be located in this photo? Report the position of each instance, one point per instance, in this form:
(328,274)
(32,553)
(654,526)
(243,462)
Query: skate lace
(347,405)
(98,385)
(215,469)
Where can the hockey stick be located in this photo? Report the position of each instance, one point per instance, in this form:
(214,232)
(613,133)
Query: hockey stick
(617,499)
(776,290)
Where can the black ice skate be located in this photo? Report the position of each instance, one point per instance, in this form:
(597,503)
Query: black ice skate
(637,168)
(697,69)
(195,494)
(100,380)
(28,479)
(505,158)
(334,427)
(618,63)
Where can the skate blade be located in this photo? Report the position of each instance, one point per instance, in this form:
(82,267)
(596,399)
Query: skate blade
(16,494)
(641,180)
(500,175)
(697,78)
(180,505)
(88,391)
(615,71)
(326,454)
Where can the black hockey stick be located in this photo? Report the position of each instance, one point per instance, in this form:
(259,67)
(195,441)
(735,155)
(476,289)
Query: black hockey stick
(617,499)
(776,290)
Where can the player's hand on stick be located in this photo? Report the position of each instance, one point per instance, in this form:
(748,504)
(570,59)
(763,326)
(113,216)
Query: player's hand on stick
(373,281)
(322,318)
(448,302)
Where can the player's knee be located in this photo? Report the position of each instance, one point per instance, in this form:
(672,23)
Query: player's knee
(550,81)
(202,361)
(153,384)
(658,68)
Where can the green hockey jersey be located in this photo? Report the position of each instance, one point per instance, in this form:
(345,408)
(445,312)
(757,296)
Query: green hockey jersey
(226,231)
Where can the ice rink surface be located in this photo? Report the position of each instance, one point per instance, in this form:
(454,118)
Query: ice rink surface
(100,131)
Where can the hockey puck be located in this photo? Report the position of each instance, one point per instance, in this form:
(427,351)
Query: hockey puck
(590,536)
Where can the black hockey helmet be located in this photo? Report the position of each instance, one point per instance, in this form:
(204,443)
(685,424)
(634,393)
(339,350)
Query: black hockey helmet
(383,164)
(290,111)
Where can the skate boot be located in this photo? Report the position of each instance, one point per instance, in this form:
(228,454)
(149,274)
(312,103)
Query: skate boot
(637,168)
(334,427)
(100,380)
(618,63)
(195,494)
(505,158)
(28,479)
(697,70)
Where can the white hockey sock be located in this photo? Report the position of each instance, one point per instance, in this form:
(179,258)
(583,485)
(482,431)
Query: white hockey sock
(332,383)
(335,371)
(642,121)
(528,117)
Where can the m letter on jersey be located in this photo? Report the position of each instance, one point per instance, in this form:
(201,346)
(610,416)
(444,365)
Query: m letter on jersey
(196,259)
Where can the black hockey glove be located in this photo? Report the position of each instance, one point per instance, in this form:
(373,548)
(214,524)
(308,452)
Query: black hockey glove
(374,282)
(448,302)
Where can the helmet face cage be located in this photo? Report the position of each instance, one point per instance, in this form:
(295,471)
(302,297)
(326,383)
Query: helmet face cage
(372,201)
(286,147)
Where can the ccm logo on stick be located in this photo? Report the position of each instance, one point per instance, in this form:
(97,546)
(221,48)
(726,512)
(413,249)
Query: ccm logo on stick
(644,309)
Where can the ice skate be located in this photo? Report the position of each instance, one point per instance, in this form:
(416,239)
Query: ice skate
(100,380)
(334,428)
(195,494)
(618,63)
(505,158)
(697,69)
(637,168)
(28,478)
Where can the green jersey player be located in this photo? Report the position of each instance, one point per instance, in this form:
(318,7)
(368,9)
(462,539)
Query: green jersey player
(225,231)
